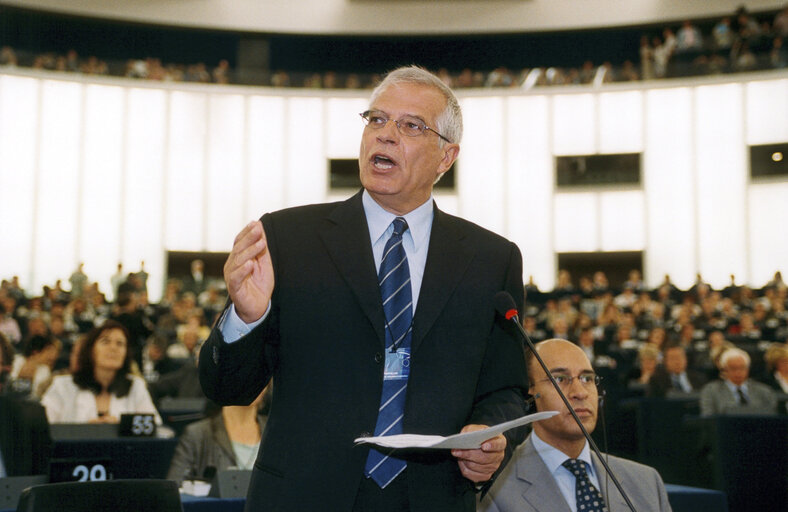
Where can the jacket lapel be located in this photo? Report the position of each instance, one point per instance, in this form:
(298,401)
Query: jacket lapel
(539,488)
(448,258)
(346,238)
(613,498)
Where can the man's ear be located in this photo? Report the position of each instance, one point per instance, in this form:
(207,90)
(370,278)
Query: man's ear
(450,153)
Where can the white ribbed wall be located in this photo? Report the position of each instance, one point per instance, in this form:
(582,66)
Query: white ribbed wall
(107,170)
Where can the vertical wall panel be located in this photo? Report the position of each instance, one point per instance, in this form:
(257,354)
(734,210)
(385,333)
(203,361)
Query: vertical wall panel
(480,169)
(184,206)
(306,176)
(722,180)
(344,126)
(226,163)
(767,112)
(54,252)
(621,122)
(144,185)
(19,110)
(101,195)
(530,185)
(622,218)
(267,162)
(574,124)
(768,243)
(576,224)
(669,188)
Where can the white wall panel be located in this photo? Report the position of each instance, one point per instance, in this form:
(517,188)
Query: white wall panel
(144,185)
(669,187)
(621,122)
(344,126)
(54,249)
(530,185)
(574,128)
(226,168)
(621,221)
(722,179)
(576,225)
(768,208)
(267,161)
(185,171)
(767,112)
(306,176)
(19,111)
(101,201)
(480,168)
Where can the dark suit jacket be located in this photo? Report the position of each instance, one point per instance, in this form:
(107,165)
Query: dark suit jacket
(660,384)
(323,343)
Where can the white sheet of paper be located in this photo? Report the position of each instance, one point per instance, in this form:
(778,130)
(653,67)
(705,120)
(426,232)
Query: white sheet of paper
(466,441)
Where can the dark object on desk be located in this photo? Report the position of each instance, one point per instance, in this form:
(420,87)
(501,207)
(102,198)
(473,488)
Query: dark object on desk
(230,483)
(179,412)
(25,441)
(121,457)
(11,487)
(108,496)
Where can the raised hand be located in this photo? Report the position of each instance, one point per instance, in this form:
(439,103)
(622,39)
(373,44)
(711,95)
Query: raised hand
(249,273)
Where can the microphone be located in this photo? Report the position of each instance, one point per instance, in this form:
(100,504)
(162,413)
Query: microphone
(505,306)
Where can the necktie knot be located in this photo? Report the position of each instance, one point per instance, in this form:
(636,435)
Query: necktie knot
(400,226)
(576,466)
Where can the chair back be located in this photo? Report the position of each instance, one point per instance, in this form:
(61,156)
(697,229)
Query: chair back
(105,496)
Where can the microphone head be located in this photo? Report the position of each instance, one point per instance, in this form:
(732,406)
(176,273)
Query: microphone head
(504,305)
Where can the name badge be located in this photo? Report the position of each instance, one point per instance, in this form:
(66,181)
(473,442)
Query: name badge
(397,364)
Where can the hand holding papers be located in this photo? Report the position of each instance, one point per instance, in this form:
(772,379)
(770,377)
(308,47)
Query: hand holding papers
(466,441)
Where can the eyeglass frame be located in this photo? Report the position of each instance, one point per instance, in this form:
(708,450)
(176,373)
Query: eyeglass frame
(365,117)
(595,379)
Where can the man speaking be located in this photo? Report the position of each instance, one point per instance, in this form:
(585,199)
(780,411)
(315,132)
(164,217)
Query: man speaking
(373,316)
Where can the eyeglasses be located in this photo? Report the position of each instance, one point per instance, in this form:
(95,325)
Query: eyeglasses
(407,125)
(564,381)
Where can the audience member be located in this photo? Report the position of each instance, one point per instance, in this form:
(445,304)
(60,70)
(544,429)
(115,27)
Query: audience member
(554,467)
(777,365)
(34,366)
(674,378)
(229,439)
(102,388)
(735,392)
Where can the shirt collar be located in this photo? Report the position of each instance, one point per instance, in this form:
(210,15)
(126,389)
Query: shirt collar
(378,220)
(555,458)
(733,386)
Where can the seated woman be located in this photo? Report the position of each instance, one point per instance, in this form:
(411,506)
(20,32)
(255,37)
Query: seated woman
(102,388)
(230,439)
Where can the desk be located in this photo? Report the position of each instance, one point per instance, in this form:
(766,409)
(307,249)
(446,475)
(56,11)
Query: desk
(682,499)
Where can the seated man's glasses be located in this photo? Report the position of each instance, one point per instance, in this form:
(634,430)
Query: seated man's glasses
(407,125)
(564,380)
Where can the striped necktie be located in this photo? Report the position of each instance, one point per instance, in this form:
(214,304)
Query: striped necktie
(395,291)
(588,497)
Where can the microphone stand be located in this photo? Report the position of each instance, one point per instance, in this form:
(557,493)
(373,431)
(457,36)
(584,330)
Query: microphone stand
(510,313)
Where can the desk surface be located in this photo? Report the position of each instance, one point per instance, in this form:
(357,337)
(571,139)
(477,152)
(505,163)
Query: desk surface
(682,499)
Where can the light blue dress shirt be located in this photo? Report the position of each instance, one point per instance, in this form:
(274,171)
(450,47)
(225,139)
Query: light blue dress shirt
(415,240)
(554,458)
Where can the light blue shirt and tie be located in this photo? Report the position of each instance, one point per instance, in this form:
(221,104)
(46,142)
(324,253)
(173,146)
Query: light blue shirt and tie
(554,458)
(415,240)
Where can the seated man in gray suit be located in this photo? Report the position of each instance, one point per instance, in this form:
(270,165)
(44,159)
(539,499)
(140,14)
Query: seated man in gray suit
(736,393)
(554,468)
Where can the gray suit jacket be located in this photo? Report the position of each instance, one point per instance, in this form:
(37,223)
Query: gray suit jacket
(716,398)
(526,485)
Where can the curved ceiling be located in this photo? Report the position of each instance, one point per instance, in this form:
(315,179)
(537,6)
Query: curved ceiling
(393,17)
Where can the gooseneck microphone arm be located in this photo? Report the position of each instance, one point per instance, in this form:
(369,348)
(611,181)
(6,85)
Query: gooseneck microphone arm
(505,306)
